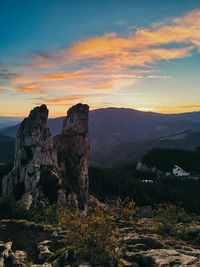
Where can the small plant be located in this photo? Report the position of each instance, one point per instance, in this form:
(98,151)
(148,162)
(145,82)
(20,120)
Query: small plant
(47,215)
(170,219)
(10,209)
(95,237)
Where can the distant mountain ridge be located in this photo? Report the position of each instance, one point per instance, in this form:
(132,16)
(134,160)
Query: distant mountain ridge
(126,153)
(112,128)
(9,121)
(116,125)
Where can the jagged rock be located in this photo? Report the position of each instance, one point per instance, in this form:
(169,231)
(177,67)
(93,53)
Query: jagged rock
(44,252)
(150,250)
(48,169)
(73,151)
(19,258)
(10,258)
(165,257)
(34,157)
(5,250)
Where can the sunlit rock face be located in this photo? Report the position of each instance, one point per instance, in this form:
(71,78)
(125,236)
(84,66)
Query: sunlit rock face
(73,152)
(47,169)
(34,158)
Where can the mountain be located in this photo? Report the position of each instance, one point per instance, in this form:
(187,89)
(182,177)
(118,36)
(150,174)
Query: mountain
(7,148)
(120,135)
(191,116)
(126,153)
(9,121)
(113,126)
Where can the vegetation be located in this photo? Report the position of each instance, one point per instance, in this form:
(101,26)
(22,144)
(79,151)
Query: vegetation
(126,182)
(171,219)
(165,159)
(7,150)
(95,237)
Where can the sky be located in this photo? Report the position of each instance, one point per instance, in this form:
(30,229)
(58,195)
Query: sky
(140,54)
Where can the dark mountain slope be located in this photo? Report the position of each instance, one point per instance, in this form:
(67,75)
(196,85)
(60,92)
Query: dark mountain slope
(7,148)
(126,153)
(113,126)
(9,121)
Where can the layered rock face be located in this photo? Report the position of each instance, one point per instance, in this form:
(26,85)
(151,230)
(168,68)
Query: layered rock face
(48,169)
(73,151)
(34,157)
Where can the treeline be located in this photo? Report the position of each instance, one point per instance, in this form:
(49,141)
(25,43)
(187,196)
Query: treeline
(165,159)
(126,182)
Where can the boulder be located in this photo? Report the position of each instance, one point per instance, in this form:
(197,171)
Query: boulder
(44,252)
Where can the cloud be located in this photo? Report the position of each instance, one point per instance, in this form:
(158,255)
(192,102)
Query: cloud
(64,75)
(110,62)
(29,88)
(62,99)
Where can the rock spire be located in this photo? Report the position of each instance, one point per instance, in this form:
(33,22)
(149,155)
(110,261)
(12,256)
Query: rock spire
(49,169)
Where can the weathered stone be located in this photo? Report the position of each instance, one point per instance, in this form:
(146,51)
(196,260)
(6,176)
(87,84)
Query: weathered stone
(19,258)
(34,153)
(5,250)
(48,170)
(73,151)
(44,252)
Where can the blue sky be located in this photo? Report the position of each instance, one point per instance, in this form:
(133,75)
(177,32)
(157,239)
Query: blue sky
(138,54)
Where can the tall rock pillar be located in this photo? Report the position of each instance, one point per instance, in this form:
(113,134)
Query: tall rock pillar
(34,159)
(73,152)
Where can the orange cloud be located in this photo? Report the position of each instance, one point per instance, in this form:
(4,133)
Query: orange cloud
(62,99)
(64,75)
(29,88)
(106,62)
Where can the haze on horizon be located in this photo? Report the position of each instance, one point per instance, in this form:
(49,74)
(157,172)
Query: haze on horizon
(140,54)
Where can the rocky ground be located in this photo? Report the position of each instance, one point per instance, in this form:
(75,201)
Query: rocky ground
(31,245)
(155,250)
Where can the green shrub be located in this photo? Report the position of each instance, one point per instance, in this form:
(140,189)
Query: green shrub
(95,237)
(170,219)
(10,209)
(46,215)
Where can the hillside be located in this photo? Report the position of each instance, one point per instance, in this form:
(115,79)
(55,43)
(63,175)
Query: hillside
(9,121)
(113,126)
(7,148)
(126,153)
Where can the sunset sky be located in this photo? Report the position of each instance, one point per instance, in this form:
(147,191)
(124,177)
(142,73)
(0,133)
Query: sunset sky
(135,54)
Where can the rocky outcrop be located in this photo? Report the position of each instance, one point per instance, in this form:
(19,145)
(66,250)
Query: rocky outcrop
(9,258)
(73,151)
(35,158)
(49,169)
(150,250)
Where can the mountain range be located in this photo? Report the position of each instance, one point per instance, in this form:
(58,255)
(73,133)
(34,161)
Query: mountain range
(119,135)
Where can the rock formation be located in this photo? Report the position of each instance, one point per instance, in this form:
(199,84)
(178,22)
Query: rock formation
(73,150)
(48,169)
